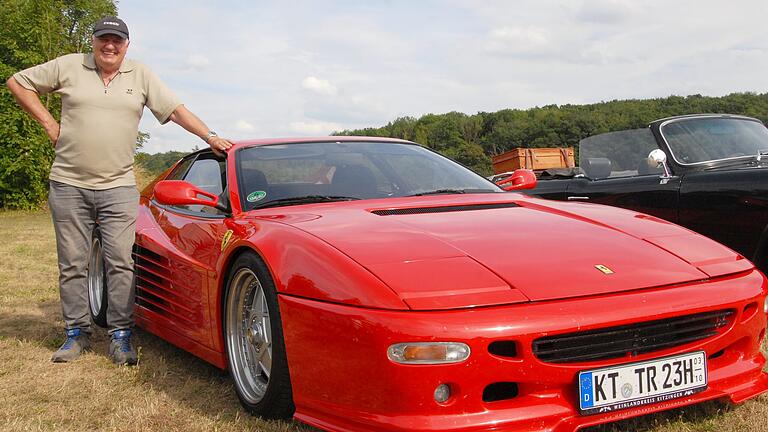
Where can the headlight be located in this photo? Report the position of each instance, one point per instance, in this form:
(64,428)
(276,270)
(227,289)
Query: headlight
(428,352)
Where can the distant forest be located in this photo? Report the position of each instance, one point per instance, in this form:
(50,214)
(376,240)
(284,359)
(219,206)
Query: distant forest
(473,139)
(154,164)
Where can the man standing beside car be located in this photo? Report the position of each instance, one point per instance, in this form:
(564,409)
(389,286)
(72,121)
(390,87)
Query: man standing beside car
(103,96)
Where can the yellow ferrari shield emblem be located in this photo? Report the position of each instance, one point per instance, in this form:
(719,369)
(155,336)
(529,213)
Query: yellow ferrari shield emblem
(227,237)
(604,269)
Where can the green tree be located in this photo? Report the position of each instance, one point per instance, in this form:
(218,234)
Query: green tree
(141,139)
(33,32)
(156,163)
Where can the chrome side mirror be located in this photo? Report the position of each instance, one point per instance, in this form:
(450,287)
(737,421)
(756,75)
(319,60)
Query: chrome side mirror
(658,159)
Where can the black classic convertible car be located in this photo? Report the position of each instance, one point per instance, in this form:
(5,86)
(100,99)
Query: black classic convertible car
(707,172)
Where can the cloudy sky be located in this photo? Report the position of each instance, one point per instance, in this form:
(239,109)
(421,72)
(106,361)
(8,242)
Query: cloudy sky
(298,68)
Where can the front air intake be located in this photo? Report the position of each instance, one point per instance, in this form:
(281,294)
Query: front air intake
(500,391)
(443,209)
(632,339)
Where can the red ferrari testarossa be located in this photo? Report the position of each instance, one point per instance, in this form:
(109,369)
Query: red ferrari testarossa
(369,284)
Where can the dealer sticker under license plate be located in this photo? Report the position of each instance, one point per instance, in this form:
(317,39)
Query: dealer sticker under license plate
(641,383)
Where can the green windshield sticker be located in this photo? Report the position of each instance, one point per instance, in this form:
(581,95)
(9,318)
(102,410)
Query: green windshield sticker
(256,196)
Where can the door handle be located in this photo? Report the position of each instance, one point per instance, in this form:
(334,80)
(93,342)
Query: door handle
(578,198)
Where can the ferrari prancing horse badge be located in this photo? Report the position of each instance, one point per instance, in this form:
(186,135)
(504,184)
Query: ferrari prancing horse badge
(227,237)
(604,269)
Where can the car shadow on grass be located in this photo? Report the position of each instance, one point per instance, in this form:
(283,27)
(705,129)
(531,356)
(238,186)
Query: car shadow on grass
(706,412)
(198,384)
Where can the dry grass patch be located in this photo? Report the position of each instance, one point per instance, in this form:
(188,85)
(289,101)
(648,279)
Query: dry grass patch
(169,390)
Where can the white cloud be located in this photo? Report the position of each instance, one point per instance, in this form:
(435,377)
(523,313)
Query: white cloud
(519,40)
(606,11)
(197,61)
(523,36)
(318,85)
(315,127)
(244,126)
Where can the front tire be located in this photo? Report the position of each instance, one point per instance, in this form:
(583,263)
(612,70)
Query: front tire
(253,335)
(97,281)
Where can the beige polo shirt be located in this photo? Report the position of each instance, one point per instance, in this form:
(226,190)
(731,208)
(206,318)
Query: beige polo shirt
(99,124)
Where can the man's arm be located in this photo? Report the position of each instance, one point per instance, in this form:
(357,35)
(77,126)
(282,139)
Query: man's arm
(30,102)
(189,121)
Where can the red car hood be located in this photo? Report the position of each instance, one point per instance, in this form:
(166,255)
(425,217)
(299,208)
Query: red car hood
(458,251)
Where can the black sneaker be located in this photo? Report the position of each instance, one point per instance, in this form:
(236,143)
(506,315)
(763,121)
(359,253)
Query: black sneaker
(121,349)
(77,343)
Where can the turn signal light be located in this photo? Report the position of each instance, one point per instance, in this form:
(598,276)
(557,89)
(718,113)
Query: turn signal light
(428,352)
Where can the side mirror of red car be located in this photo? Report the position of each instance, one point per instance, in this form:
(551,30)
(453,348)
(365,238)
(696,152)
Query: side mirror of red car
(520,179)
(178,192)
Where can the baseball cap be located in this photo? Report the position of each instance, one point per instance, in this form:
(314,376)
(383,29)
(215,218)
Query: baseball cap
(111,25)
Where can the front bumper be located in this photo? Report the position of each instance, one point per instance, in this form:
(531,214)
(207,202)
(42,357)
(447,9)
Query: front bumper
(343,381)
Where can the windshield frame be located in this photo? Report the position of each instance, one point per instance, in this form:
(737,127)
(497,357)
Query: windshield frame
(664,138)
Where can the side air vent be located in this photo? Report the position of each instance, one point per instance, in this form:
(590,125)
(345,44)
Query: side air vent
(156,292)
(444,209)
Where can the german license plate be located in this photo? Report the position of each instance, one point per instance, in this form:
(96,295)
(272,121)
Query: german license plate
(634,384)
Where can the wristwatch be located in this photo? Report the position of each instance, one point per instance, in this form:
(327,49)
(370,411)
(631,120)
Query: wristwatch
(210,135)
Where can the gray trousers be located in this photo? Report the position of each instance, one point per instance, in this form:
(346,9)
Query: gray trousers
(75,212)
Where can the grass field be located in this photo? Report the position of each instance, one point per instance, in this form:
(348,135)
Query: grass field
(169,390)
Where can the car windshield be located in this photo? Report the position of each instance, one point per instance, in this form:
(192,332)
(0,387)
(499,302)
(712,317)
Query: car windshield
(700,140)
(288,174)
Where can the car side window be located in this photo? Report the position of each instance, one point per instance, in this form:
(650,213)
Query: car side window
(618,154)
(181,169)
(209,174)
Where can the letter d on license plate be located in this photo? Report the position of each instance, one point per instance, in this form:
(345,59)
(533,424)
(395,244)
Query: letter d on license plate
(634,384)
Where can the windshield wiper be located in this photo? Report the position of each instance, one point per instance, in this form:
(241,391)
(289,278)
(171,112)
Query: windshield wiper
(761,154)
(741,160)
(759,160)
(307,199)
(451,191)
(439,191)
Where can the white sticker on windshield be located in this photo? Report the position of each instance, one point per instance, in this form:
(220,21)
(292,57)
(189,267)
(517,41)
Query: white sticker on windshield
(256,196)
